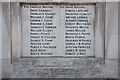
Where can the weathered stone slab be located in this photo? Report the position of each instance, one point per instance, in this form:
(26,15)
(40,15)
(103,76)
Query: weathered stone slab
(57,30)
(0,40)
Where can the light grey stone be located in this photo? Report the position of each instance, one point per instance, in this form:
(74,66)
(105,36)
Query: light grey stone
(79,68)
(0,40)
(6,42)
(82,1)
(0,68)
(58,20)
(6,31)
(99,30)
(58,67)
(15,49)
(111,30)
(6,68)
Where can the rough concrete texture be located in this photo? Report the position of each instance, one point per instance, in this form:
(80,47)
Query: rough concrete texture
(69,68)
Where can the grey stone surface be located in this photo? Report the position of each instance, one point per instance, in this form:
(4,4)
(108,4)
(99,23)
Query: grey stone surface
(6,31)
(0,68)
(50,68)
(83,1)
(111,30)
(6,45)
(0,40)
(59,20)
(6,68)
(58,67)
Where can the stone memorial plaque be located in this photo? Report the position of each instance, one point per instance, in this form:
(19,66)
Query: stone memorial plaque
(57,30)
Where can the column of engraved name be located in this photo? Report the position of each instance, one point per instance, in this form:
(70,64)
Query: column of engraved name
(79,30)
(41,30)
